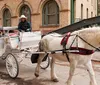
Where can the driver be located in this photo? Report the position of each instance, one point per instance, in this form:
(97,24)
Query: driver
(24,25)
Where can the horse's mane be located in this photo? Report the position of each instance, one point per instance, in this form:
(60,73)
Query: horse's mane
(87,30)
(84,31)
(55,34)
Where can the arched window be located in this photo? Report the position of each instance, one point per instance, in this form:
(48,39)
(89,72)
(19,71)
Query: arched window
(50,13)
(6,18)
(25,10)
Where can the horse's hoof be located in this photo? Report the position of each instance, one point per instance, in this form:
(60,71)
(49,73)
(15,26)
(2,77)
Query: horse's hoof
(37,75)
(70,83)
(55,80)
(91,83)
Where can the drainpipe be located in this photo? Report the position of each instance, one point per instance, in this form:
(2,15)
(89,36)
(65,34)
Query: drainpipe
(72,11)
(97,7)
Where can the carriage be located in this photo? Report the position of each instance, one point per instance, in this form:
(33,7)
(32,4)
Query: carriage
(12,44)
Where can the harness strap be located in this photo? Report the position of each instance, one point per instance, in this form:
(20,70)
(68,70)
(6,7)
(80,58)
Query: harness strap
(88,43)
(67,56)
(64,52)
(63,43)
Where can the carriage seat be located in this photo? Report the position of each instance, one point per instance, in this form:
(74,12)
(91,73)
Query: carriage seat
(14,40)
(13,34)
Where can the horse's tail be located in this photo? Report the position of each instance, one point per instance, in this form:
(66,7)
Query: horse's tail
(43,45)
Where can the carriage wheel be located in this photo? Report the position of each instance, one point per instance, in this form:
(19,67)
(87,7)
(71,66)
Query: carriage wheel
(45,64)
(12,66)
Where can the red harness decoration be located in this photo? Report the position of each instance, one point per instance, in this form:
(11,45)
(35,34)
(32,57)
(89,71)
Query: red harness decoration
(81,51)
(65,39)
(76,50)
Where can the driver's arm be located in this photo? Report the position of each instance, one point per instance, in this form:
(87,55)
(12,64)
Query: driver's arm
(29,27)
(19,27)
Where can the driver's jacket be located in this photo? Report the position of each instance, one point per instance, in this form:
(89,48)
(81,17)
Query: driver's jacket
(24,26)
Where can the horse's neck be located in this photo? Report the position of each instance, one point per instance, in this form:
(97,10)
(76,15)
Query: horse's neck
(91,38)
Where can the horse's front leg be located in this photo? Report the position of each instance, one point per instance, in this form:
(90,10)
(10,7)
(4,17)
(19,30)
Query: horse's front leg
(91,73)
(53,75)
(73,64)
(37,69)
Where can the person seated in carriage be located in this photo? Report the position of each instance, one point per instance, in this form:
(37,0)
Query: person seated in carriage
(24,25)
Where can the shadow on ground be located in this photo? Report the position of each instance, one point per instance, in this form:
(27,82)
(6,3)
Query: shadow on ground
(19,81)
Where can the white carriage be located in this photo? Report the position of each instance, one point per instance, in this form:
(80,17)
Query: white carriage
(14,43)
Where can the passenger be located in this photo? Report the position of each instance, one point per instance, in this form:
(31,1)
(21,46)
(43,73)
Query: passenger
(24,25)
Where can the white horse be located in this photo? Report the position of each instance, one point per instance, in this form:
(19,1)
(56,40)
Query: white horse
(51,43)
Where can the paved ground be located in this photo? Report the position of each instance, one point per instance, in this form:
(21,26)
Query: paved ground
(96,56)
(26,75)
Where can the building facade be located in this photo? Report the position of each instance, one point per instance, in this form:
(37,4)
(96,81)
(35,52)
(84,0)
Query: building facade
(83,9)
(98,7)
(46,15)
